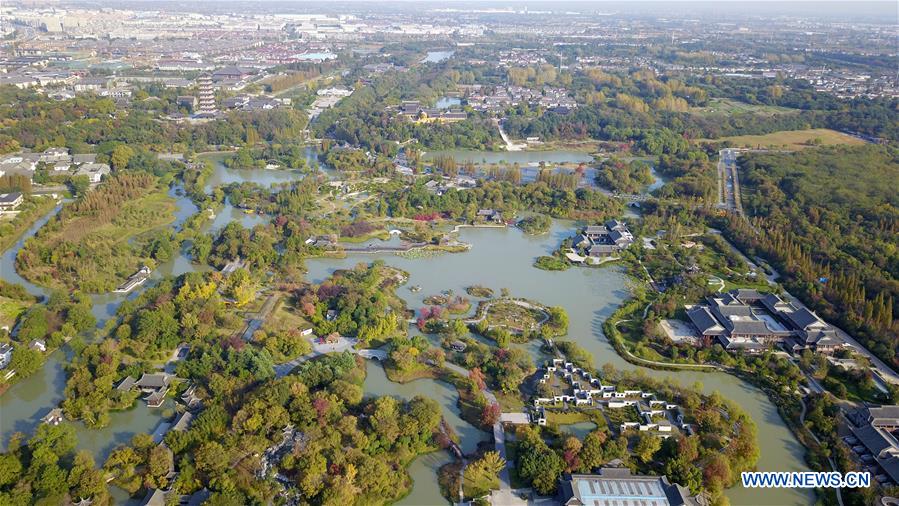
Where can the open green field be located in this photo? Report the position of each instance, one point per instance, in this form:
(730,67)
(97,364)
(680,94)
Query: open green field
(96,255)
(728,106)
(792,139)
(10,309)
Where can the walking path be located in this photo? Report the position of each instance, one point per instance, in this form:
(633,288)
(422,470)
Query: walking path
(833,464)
(499,435)
(673,365)
(527,305)
(319,349)
(510,146)
(715,280)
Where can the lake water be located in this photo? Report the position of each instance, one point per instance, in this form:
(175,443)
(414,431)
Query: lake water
(223,175)
(27,401)
(426,490)
(437,56)
(448,102)
(580,429)
(502,258)
(499,258)
(316,56)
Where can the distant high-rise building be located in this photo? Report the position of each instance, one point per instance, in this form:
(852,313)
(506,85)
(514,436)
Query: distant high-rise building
(206,98)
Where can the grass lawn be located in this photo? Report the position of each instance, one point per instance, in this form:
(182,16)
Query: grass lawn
(566,417)
(509,402)
(288,316)
(617,416)
(397,376)
(792,139)
(760,285)
(728,106)
(383,235)
(10,309)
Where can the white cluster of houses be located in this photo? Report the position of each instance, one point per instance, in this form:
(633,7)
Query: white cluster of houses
(656,415)
(548,98)
(58,160)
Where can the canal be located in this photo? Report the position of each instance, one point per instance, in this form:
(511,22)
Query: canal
(499,258)
(503,258)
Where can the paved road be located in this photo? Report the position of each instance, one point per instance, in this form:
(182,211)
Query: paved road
(673,365)
(728,180)
(510,146)
(833,465)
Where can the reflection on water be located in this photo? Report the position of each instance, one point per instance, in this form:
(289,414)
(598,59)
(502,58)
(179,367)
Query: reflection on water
(448,102)
(8,260)
(377,384)
(26,402)
(426,490)
(229,213)
(499,258)
(502,258)
(223,175)
(580,429)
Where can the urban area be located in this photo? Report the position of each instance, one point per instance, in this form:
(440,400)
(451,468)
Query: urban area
(578,253)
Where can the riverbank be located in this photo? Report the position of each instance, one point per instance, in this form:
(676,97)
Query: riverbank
(502,258)
(788,402)
(499,257)
(98,242)
(28,213)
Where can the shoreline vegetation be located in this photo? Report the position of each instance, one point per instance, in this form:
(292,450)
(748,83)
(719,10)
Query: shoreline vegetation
(98,240)
(775,376)
(264,396)
(34,208)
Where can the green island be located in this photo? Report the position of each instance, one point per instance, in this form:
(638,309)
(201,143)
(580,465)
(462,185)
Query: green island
(457,256)
(88,245)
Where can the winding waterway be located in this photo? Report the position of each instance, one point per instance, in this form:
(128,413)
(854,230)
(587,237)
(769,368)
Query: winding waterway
(499,258)
(502,258)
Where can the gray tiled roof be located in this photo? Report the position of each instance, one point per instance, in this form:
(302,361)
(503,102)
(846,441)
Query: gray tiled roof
(890,466)
(883,415)
(183,421)
(732,344)
(156,380)
(826,337)
(747,295)
(8,198)
(84,158)
(704,321)
(878,441)
(802,318)
(751,327)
